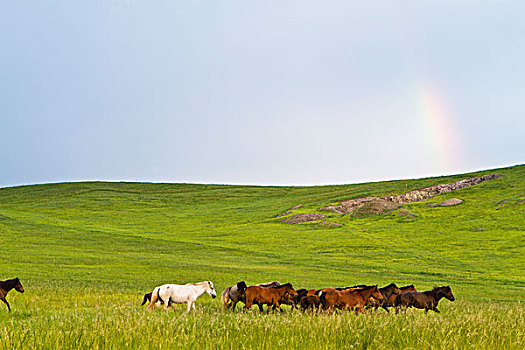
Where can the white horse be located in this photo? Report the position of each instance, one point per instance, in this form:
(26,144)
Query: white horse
(179,294)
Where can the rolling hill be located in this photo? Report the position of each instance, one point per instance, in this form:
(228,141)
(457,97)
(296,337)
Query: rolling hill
(132,236)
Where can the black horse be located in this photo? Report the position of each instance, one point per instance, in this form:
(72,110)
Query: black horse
(426,300)
(6,286)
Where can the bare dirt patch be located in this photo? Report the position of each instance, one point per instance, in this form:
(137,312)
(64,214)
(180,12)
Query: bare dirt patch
(373,207)
(303,217)
(448,203)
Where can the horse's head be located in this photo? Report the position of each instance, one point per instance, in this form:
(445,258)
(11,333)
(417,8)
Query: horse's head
(18,286)
(210,289)
(376,294)
(289,292)
(447,293)
(300,293)
(241,287)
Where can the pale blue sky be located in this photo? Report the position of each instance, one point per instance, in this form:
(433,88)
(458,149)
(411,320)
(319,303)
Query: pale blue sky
(259,92)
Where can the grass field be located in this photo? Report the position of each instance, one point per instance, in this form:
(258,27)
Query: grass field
(87,252)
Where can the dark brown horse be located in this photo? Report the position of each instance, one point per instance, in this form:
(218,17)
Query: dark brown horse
(273,297)
(310,302)
(425,300)
(297,299)
(6,286)
(349,299)
(390,293)
(232,295)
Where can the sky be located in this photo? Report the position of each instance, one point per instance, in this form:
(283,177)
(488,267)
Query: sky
(259,92)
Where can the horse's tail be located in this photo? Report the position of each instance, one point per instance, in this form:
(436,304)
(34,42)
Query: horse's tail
(154,297)
(147,297)
(226,297)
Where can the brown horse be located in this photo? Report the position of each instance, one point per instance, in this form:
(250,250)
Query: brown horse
(390,293)
(355,299)
(296,300)
(310,302)
(234,294)
(425,300)
(6,286)
(273,297)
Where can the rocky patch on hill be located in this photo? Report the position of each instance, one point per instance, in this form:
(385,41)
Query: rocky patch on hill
(368,206)
(420,194)
(303,217)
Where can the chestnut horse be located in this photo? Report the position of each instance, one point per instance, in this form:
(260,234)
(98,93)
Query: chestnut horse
(236,293)
(349,299)
(273,297)
(6,286)
(425,300)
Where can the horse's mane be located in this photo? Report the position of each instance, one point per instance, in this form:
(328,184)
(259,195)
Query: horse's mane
(272,284)
(390,286)
(409,286)
(358,287)
(11,280)
(283,285)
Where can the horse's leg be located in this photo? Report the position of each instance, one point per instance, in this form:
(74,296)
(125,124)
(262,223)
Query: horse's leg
(436,310)
(5,301)
(188,304)
(166,303)
(232,305)
(193,306)
(248,304)
(276,305)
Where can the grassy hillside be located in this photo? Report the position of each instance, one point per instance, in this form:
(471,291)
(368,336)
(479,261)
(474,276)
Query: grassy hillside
(135,236)
(120,240)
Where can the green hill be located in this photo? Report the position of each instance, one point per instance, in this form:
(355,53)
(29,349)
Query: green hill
(133,236)
(87,252)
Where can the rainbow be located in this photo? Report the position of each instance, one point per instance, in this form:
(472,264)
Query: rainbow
(440,128)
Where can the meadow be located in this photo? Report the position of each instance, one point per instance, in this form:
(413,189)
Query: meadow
(87,252)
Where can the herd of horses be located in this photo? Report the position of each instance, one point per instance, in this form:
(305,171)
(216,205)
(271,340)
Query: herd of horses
(275,294)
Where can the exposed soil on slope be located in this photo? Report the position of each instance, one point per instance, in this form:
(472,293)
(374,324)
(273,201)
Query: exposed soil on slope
(304,217)
(417,195)
(448,203)
(368,206)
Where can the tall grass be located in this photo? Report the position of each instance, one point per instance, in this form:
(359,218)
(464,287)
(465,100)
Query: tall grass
(102,321)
